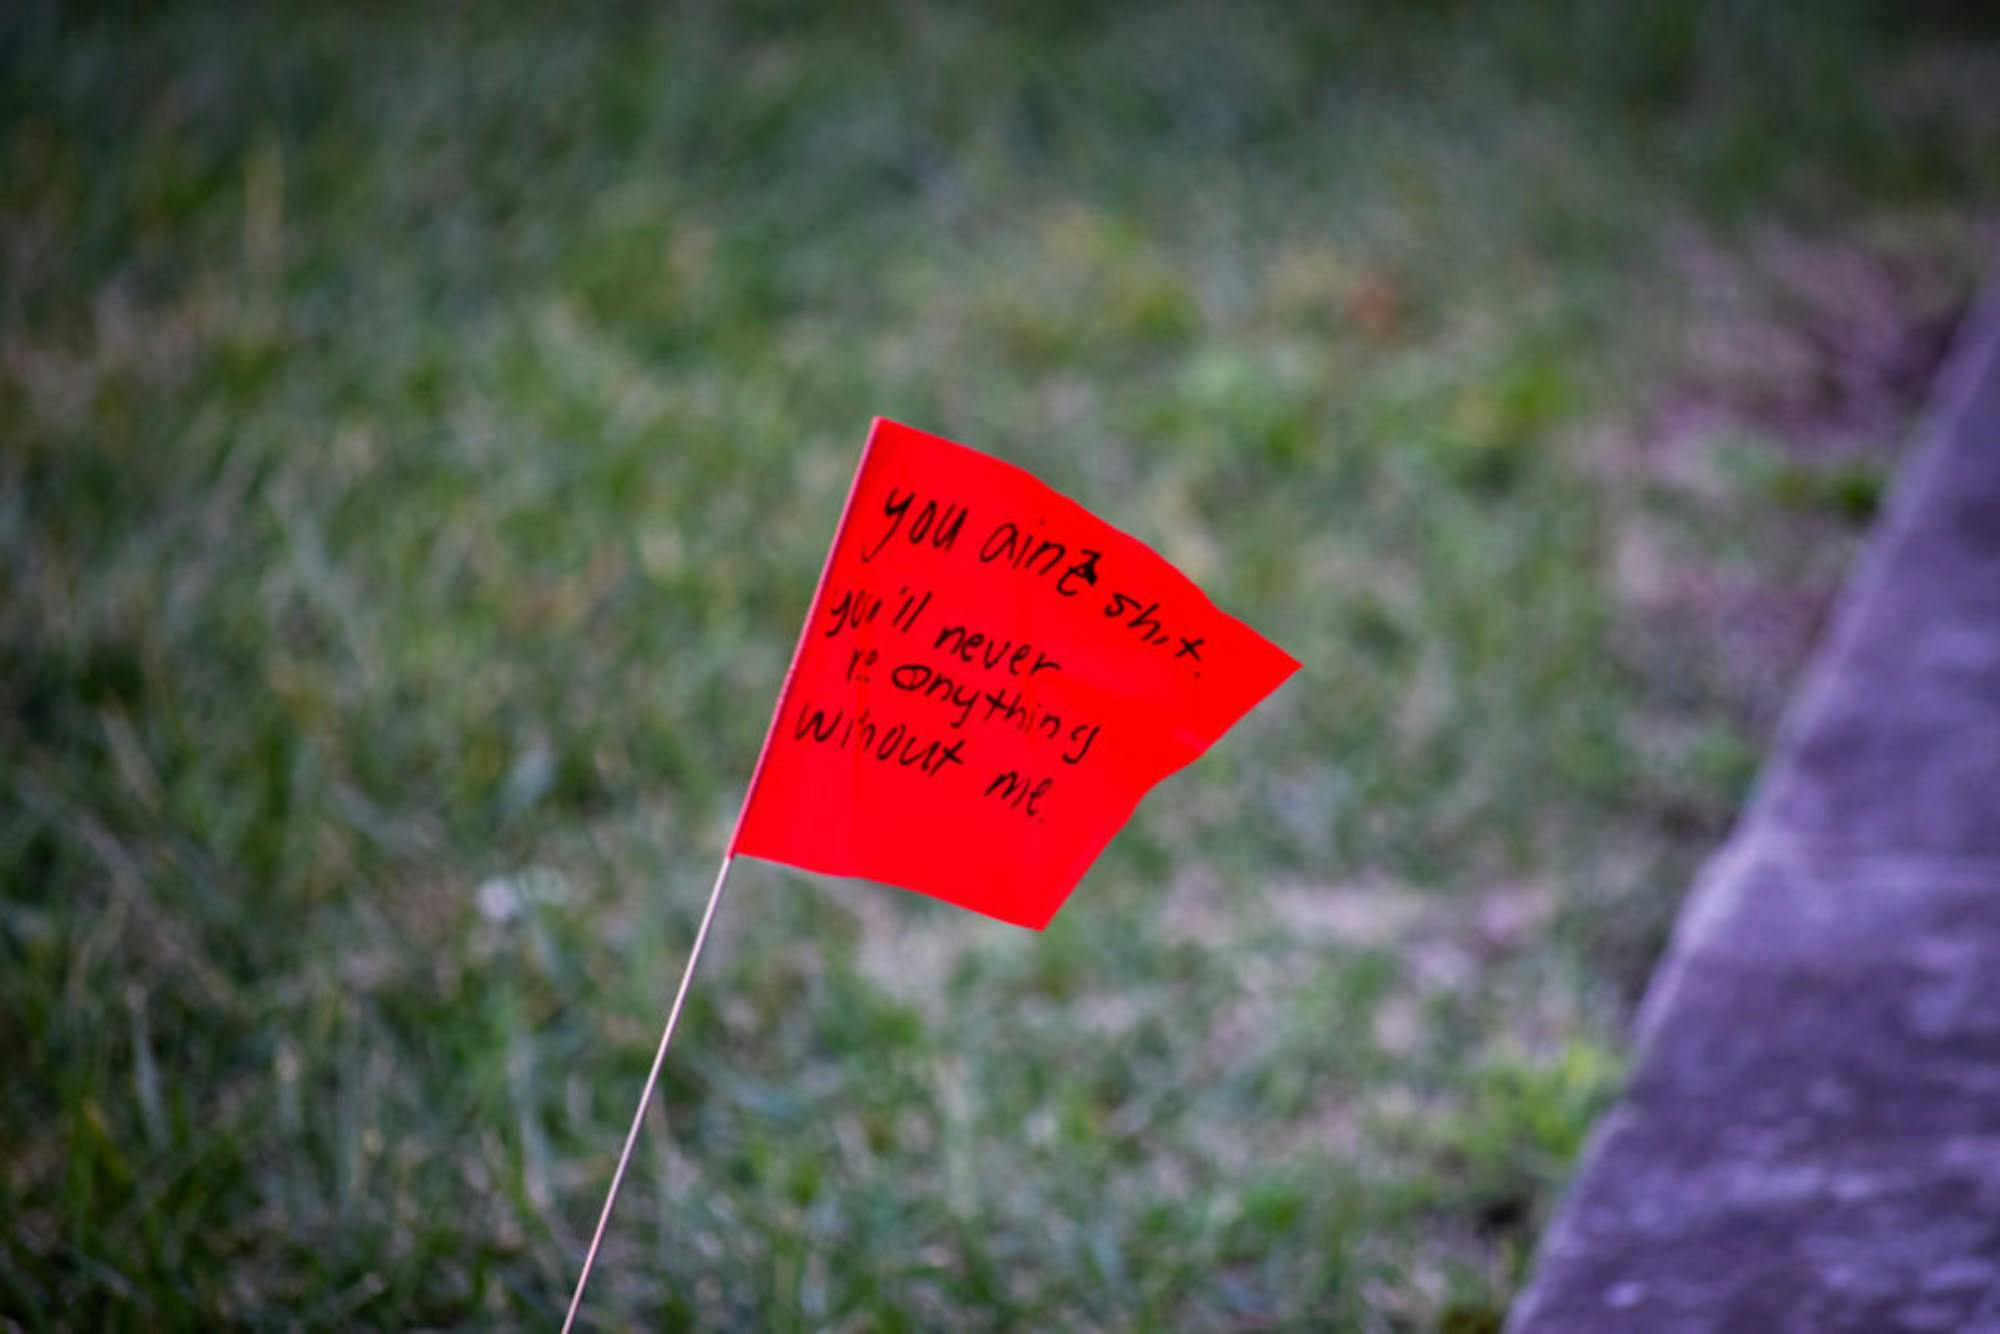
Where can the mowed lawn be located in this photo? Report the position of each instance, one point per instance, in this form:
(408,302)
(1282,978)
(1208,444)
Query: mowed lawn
(419,434)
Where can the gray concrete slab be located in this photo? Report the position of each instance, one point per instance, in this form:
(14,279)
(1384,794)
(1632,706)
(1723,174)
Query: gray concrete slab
(1896,744)
(1811,1140)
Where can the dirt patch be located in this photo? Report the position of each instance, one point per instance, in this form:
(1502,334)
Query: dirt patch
(1827,347)
(1746,486)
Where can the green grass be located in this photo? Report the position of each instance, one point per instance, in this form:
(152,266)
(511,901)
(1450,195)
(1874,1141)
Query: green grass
(418,436)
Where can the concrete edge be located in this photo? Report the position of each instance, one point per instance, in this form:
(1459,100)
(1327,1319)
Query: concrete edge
(1975,348)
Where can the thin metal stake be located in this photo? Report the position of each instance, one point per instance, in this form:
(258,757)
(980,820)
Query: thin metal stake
(646,1095)
(715,895)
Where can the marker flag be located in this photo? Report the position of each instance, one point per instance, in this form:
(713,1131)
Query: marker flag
(989,679)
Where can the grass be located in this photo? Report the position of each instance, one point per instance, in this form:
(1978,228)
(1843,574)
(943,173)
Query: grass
(418,435)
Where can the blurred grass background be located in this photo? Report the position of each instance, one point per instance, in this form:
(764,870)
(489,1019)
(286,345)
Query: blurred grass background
(419,432)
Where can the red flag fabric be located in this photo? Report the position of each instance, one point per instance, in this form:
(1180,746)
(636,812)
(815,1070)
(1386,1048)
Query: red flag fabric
(989,679)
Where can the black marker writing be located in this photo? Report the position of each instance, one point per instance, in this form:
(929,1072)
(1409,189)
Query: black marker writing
(852,610)
(911,608)
(1019,792)
(1025,715)
(1083,572)
(939,525)
(974,648)
(920,679)
(898,743)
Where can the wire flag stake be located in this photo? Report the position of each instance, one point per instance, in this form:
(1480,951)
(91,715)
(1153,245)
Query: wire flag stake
(714,896)
(646,1094)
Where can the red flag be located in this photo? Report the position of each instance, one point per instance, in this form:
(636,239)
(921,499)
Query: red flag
(988,681)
